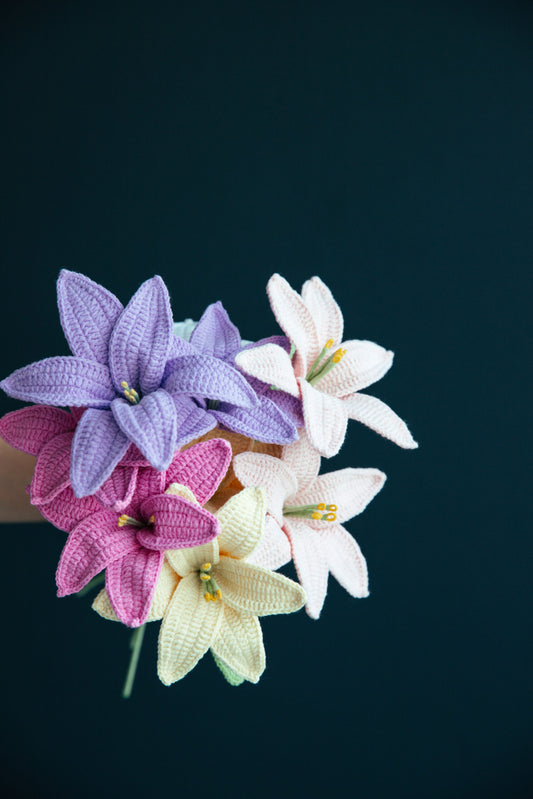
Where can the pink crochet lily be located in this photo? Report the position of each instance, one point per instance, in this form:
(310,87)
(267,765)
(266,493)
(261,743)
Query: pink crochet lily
(130,546)
(307,510)
(326,373)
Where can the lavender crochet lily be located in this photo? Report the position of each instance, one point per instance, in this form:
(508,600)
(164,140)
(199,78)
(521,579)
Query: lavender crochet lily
(138,382)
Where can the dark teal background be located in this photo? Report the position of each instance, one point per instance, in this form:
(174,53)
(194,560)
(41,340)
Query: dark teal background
(387,147)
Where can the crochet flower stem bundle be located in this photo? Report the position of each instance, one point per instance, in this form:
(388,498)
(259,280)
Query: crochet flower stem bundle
(184,464)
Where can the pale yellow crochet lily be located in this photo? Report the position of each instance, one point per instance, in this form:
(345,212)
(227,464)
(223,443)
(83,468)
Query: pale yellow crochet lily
(209,597)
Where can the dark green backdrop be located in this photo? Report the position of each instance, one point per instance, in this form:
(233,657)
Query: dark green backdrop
(385,146)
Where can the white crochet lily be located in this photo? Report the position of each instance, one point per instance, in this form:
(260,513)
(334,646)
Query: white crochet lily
(307,510)
(324,372)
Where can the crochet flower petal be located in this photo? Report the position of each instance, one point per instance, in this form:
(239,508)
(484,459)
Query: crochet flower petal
(88,313)
(51,475)
(303,460)
(151,425)
(30,428)
(295,320)
(130,583)
(188,630)
(192,421)
(309,556)
(205,376)
(349,489)
(215,334)
(273,550)
(201,467)
(91,546)
(362,364)
(98,445)
(117,491)
(379,417)
(177,523)
(272,365)
(165,587)
(187,561)
(149,482)
(325,420)
(65,511)
(239,643)
(255,591)
(326,313)
(264,423)
(63,380)
(242,519)
(345,560)
(253,469)
(140,342)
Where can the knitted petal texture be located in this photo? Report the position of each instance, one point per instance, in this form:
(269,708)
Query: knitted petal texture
(242,519)
(296,321)
(98,445)
(239,643)
(345,560)
(88,313)
(215,334)
(205,376)
(379,417)
(201,468)
(362,364)
(325,420)
(256,591)
(326,314)
(165,587)
(273,550)
(51,473)
(266,422)
(29,429)
(151,425)
(177,523)
(310,561)
(62,381)
(130,584)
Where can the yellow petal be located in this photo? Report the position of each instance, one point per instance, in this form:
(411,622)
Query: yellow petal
(187,561)
(256,591)
(239,643)
(179,490)
(242,519)
(166,584)
(188,630)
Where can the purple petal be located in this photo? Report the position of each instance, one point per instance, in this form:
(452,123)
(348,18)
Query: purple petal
(117,491)
(91,546)
(130,583)
(215,334)
(193,421)
(151,425)
(140,342)
(88,313)
(178,524)
(201,467)
(289,405)
(205,376)
(281,341)
(63,380)
(66,510)
(29,429)
(98,446)
(265,423)
(51,473)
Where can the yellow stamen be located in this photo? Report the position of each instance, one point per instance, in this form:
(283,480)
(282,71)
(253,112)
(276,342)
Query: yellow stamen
(330,517)
(339,355)
(322,506)
(205,577)
(208,596)
(316,515)
(151,520)
(332,508)
(122,520)
(329,344)
(206,567)
(219,593)
(124,384)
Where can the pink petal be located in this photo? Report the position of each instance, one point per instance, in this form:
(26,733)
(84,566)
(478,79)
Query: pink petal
(309,556)
(130,582)
(272,365)
(117,491)
(326,313)
(29,429)
(302,459)
(201,467)
(325,420)
(253,469)
(91,546)
(349,489)
(295,320)
(52,470)
(273,550)
(66,510)
(178,524)
(363,364)
(379,417)
(345,560)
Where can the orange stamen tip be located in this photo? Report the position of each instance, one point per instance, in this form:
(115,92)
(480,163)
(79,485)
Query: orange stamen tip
(322,506)
(330,517)
(316,515)
(329,344)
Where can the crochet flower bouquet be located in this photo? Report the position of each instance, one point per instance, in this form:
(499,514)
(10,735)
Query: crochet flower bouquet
(183,464)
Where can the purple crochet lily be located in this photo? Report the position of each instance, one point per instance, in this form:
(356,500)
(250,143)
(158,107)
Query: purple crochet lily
(275,419)
(138,382)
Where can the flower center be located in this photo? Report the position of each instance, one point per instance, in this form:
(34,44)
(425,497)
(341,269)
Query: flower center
(125,519)
(322,365)
(312,512)
(130,393)
(211,590)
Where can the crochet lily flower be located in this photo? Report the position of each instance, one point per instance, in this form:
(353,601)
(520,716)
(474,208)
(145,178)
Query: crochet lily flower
(130,546)
(137,381)
(307,510)
(274,419)
(328,384)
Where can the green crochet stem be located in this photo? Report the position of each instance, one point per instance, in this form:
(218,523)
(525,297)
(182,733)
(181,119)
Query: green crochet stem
(96,581)
(135,646)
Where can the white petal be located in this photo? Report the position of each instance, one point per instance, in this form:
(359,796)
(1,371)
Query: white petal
(362,364)
(273,550)
(349,489)
(379,417)
(345,560)
(325,420)
(295,320)
(303,460)
(256,591)
(274,475)
(310,561)
(326,313)
(271,364)
(187,561)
